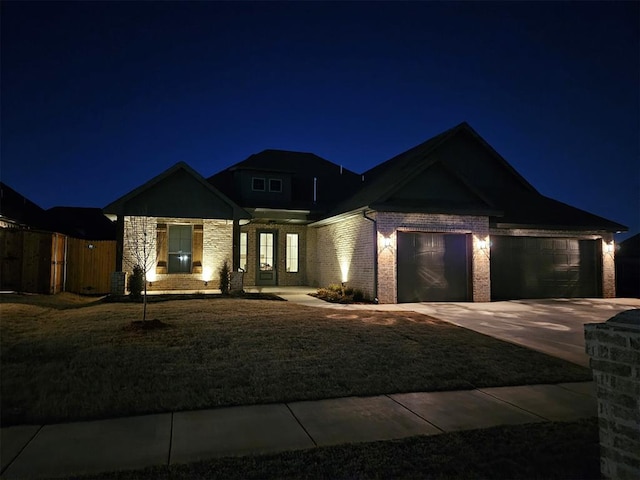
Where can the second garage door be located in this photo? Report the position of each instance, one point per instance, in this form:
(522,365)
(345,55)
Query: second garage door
(433,267)
(533,267)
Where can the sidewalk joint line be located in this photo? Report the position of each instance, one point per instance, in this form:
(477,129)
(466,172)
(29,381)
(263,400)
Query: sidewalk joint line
(514,405)
(416,414)
(301,425)
(21,450)
(170,441)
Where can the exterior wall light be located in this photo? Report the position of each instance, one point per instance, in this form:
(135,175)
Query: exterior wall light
(609,247)
(482,244)
(386,242)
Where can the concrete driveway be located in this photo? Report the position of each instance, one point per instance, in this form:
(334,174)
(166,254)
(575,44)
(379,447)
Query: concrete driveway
(552,326)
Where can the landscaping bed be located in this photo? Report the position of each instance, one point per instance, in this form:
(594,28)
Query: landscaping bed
(63,364)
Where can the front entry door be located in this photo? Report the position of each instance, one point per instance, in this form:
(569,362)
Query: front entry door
(266,267)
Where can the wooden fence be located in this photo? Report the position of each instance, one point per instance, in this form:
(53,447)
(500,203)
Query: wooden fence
(45,262)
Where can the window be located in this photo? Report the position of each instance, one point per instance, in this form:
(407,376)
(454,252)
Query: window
(275,185)
(266,251)
(243,251)
(180,248)
(292,252)
(258,184)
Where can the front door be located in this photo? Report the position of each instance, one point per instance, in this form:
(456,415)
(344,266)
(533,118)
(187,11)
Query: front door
(266,267)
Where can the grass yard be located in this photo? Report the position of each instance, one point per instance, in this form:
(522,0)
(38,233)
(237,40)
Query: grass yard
(543,450)
(67,358)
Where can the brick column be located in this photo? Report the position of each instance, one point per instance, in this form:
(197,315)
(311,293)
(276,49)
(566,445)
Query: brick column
(614,348)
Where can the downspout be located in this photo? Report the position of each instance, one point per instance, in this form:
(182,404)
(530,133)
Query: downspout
(64,271)
(55,263)
(375,254)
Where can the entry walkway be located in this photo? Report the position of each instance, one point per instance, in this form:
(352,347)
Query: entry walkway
(36,451)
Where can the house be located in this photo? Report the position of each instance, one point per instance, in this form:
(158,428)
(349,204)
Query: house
(448,220)
(17,211)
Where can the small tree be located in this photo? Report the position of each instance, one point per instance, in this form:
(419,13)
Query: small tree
(225,275)
(140,251)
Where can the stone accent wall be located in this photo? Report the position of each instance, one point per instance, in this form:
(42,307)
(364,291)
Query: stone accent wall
(344,252)
(217,247)
(614,348)
(118,283)
(284,278)
(389,223)
(608,257)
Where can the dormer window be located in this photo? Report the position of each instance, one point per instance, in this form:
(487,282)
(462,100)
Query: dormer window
(275,185)
(258,184)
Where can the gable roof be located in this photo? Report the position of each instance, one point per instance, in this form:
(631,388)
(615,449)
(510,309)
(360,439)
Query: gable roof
(177,192)
(491,186)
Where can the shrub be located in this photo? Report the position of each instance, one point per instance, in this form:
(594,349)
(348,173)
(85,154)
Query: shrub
(358,296)
(136,282)
(225,274)
(335,287)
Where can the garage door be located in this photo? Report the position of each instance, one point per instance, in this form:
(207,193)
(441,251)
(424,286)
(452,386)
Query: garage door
(532,267)
(433,267)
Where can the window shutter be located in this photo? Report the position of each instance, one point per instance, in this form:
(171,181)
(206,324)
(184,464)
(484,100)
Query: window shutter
(198,240)
(162,248)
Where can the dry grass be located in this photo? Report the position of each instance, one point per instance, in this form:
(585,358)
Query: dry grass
(62,360)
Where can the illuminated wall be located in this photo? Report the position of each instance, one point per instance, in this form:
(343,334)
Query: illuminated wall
(344,252)
(217,246)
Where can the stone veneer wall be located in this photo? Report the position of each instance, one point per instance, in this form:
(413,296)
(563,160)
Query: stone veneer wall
(608,258)
(390,223)
(284,278)
(217,247)
(614,348)
(344,252)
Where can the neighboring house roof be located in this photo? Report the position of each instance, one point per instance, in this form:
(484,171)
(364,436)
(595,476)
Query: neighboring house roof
(177,192)
(629,248)
(18,210)
(309,173)
(459,172)
(81,222)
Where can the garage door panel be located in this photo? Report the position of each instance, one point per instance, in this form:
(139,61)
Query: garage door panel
(432,267)
(532,267)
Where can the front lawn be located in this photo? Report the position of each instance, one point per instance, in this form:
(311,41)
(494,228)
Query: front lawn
(63,364)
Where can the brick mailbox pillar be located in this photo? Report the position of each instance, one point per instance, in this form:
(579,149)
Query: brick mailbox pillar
(614,348)
(118,283)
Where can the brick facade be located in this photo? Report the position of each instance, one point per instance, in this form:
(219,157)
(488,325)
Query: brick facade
(389,223)
(614,348)
(344,252)
(217,247)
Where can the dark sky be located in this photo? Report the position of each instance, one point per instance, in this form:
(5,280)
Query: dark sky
(99,97)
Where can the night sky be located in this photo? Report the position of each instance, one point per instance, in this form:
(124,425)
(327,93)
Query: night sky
(99,97)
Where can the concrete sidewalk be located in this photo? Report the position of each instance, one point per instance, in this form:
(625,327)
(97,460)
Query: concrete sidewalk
(36,451)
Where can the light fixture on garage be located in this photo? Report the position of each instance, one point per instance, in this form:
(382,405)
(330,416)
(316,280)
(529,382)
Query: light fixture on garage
(609,247)
(482,244)
(386,242)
